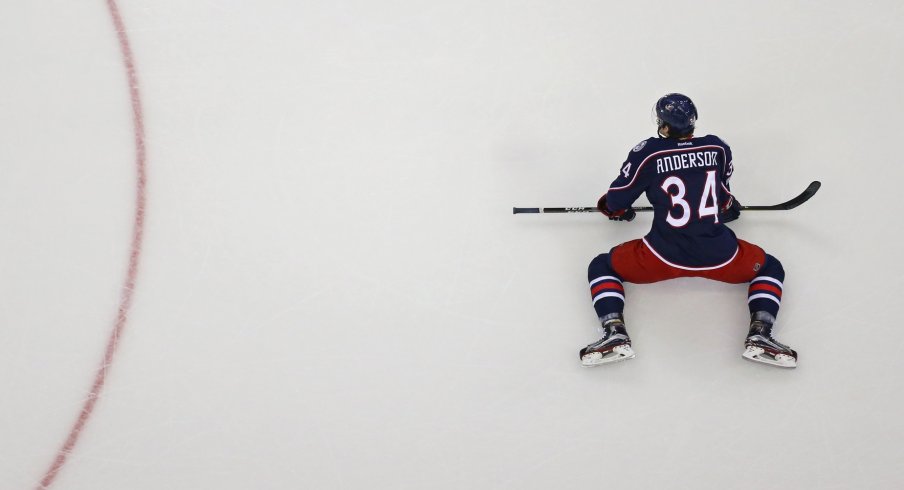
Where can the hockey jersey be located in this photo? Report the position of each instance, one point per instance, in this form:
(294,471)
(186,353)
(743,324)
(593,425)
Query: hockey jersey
(686,181)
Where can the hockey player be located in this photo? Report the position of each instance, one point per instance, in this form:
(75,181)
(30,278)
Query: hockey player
(686,179)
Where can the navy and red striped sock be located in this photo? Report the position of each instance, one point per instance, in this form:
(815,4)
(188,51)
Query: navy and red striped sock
(606,288)
(765,292)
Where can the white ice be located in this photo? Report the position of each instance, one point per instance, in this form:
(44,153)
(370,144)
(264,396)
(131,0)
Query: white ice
(334,294)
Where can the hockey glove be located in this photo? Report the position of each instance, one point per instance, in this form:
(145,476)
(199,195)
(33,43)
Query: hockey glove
(730,211)
(621,215)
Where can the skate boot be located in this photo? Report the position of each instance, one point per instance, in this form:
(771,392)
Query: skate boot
(761,347)
(614,346)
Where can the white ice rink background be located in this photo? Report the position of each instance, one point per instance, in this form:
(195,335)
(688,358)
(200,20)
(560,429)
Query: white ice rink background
(332,292)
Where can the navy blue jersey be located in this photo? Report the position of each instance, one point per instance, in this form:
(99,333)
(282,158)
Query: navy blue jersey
(686,181)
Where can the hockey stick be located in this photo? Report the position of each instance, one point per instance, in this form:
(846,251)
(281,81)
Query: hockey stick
(790,204)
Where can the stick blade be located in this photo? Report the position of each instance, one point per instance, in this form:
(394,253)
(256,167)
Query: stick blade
(804,196)
(801,198)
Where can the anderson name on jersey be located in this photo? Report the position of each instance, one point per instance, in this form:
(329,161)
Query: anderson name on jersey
(686,182)
(686,160)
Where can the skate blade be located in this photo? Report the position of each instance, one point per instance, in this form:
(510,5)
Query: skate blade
(619,353)
(759,354)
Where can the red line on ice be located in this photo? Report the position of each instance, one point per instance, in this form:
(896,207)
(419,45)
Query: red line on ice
(125,302)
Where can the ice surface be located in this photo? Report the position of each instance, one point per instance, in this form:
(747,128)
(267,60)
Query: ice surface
(334,294)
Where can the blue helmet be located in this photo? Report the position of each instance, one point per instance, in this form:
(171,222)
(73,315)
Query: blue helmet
(678,112)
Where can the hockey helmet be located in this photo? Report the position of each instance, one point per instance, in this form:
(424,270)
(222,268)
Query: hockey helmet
(678,112)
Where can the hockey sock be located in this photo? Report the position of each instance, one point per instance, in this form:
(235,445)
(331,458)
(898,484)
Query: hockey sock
(765,292)
(605,288)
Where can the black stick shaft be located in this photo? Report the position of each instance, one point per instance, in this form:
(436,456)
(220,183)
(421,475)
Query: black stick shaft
(789,204)
(592,209)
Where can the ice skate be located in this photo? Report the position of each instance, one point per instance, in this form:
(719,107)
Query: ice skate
(614,346)
(761,347)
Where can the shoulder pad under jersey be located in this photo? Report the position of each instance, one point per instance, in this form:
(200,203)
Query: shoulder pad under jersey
(716,139)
